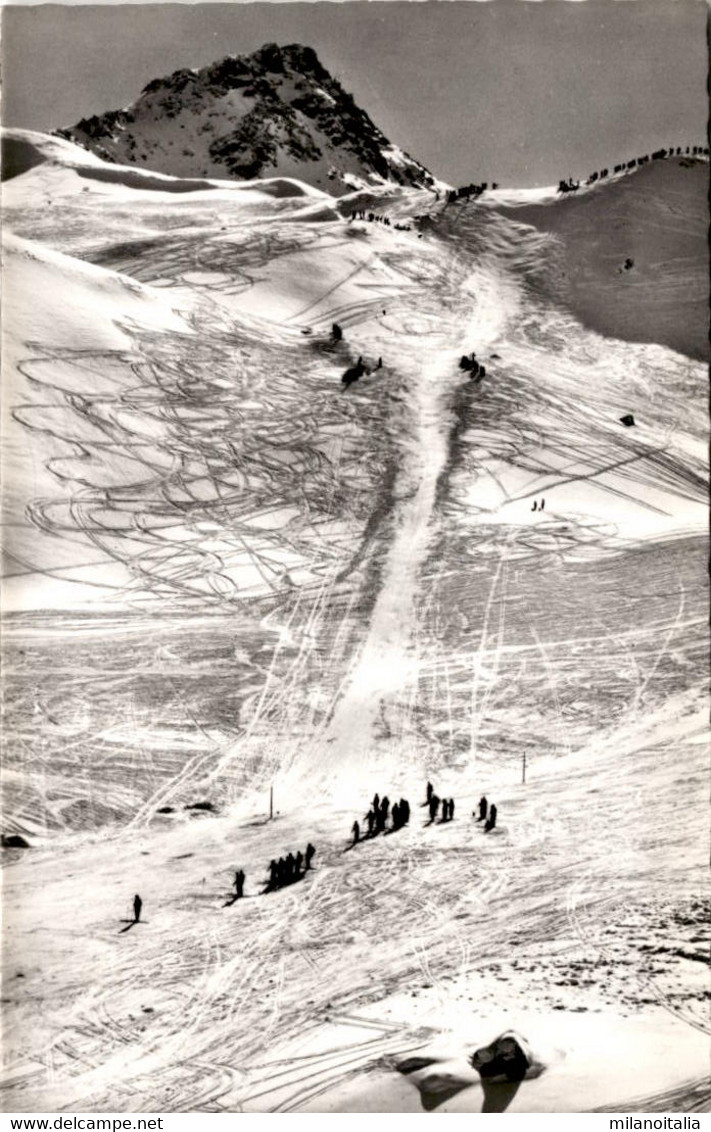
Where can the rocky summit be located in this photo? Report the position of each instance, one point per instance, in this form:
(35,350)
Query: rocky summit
(277,112)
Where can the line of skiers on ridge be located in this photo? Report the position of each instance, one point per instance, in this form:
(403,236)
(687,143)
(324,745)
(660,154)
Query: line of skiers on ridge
(571,186)
(467,191)
(374,218)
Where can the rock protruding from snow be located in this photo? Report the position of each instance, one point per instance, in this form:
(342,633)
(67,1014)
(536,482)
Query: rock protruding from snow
(14,841)
(507,1058)
(276,112)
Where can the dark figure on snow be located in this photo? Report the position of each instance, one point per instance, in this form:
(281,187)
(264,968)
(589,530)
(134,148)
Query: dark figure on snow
(298,862)
(483,807)
(491,821)
(430,790)
(376,802)
(451,808)
(384,807)
(281,871)
(309,854)
(434,806)
(353,373)
(370,818)
(379,820)
(239,884)
(137,905)
(356,832)
(273,875)
(396,816)
(290,863)
(446,809)
(336,333)
(404,811)
(380,363)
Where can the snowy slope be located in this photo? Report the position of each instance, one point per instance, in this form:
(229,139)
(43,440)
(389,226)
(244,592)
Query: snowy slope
(225,572)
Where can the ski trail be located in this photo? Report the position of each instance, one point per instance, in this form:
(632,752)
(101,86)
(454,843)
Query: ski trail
(377,712)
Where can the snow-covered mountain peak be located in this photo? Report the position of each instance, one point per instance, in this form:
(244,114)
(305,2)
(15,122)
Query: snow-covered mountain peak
(276,112)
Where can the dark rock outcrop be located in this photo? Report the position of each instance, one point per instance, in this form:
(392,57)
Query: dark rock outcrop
(277,112)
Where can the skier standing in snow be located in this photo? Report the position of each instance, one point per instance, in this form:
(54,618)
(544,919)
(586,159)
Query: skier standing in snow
(491,823)
(137,905)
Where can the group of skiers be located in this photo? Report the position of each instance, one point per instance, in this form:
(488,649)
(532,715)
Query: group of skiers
(433,803)
(571,186)
(377,817)
(374,218)
(467,191)
(487,814)
(354,373)
(470,365)
(371,217)
(289,869)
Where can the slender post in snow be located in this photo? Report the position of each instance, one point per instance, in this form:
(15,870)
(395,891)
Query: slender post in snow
(271,802)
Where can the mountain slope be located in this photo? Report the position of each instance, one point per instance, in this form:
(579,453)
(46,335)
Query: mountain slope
(631,255)
(276,112)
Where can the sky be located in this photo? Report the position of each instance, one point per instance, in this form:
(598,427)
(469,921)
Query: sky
(522,93)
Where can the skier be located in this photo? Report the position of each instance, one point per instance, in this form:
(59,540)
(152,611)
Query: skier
(429,792)
(298,862)
(336,333)
(273,876)
(353,373)
(356,832)
(483,807)
(396,816)
(309,855)
(434,806)
(491,823)
(137,905)
(370,818)
(451,808)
